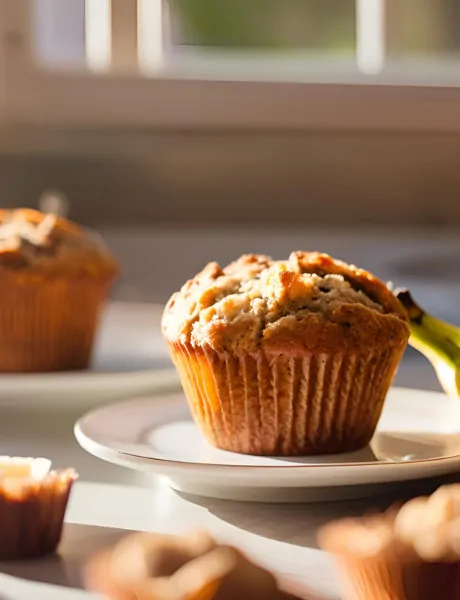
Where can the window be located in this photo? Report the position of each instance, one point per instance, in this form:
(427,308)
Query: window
(321,64)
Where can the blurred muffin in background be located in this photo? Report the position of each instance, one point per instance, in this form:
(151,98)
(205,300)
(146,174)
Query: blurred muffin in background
(151,566)
(408,554)
(286,357)
(54,279)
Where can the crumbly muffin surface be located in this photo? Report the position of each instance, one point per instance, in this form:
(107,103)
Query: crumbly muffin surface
(427,527)
(255,299)
(430,525)
(31,240)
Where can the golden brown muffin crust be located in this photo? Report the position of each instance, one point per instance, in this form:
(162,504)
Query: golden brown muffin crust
(49,245)
(309,301)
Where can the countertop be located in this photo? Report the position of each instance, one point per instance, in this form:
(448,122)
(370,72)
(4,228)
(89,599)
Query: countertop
(279,537)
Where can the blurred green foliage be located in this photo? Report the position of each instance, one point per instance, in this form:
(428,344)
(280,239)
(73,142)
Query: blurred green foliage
(326,25)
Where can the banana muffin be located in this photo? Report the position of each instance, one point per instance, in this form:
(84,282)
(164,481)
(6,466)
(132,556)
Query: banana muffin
(411,553)
(55,278)
(33,503)
(286,357)
(150,566)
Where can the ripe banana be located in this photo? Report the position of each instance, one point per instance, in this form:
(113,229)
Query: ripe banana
(437,340)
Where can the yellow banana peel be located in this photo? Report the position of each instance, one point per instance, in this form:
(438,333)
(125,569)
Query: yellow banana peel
(437,340)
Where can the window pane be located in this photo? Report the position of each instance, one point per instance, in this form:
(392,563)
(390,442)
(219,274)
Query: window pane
(318,25)
(59,27)
(424,27)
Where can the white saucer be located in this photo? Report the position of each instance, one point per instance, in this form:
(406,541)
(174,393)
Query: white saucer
(418,437)
(130,359)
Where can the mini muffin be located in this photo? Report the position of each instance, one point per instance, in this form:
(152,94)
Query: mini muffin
(286,357)
(54,279)
(148,566)
(33,502)
(408,554)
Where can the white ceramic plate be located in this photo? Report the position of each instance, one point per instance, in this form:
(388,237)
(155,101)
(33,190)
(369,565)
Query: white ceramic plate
(130,359)
(418,437)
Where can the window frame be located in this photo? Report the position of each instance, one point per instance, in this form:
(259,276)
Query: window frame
(31,95)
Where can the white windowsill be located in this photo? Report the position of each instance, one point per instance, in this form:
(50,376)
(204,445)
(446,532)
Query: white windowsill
(240,91)
(165,103)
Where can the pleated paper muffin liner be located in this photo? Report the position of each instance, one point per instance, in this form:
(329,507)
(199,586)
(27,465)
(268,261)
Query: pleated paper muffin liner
(32,514)
(390,575)
(49,326)
(304,403)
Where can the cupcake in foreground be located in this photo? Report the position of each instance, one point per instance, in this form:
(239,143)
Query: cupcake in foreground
(286,357)
(410,554)
(54,280)
(33,502)
(148,566)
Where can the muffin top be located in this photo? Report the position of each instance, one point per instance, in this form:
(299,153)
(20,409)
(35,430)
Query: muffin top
(24,478)
(430,525)
(193,566)
(47,244)
(427,527)
(311,299)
